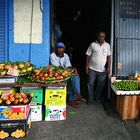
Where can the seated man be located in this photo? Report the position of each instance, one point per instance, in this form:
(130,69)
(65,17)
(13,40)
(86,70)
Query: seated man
(59,58)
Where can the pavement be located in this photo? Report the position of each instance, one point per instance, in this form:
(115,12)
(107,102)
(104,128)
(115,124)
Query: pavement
(88,122)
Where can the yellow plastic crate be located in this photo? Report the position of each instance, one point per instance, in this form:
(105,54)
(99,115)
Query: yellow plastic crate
(55,96)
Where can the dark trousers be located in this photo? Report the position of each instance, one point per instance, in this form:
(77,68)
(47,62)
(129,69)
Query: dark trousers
(95,93)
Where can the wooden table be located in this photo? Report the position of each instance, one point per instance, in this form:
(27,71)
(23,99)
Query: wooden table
(127,105)
(34,85)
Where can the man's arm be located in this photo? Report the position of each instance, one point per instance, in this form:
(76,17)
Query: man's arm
(108,63)
(53,60)
(87,63)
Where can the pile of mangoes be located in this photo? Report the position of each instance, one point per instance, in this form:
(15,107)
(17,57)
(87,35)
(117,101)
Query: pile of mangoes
(21,67)
(51,73)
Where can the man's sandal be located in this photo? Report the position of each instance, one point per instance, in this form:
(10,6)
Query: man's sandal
(73,104)
(80,98)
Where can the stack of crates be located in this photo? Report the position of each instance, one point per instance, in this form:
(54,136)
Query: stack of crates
(37,102)
(55,103)
(15,120)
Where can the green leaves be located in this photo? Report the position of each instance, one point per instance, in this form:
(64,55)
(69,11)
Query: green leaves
(126,85)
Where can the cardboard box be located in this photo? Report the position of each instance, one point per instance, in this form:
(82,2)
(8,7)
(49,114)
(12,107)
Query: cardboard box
(14,112)
(55,96)
(55,113)
(15,128)
(38,93)
(36,112)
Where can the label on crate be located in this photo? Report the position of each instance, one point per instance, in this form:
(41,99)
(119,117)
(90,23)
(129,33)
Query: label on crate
(55,113)
(55,97)
(23,88)
(7,80)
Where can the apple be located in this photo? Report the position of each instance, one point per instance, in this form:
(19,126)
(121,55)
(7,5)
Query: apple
(5,98)
(20,65)
(25,101)
(61,77)
(31,94)
(56,74)
(36,72)
(23,95)
(42,78)
(15,67)
(3,73)
(16,101)
(45,75)
(8,102)
(7,66)
(17,95)
(12,99)
(23,71)
(50,76)
(21,100)
(0,101)
(29,68)
(27,63)
(37,77)
(11,95)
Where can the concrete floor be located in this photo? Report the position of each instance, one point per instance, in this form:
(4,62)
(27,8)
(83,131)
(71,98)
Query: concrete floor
(88,122)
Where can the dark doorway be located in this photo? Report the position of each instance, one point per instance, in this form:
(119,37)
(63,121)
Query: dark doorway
(79,22)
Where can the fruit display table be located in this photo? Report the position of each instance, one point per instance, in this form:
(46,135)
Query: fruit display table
(126,103)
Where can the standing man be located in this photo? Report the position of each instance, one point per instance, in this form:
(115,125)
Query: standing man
(98,61)
(59,58)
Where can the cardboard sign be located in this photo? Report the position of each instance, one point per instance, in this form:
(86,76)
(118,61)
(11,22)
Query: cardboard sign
(13,72)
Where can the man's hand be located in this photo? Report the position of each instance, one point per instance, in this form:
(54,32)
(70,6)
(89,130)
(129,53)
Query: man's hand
(86,69)
(75,71)
(108,71)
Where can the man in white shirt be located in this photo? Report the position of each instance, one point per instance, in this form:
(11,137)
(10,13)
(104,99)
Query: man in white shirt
(98,61)
(59,58)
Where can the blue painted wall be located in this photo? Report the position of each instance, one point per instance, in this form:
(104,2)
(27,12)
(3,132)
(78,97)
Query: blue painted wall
(3,30)
(38,54)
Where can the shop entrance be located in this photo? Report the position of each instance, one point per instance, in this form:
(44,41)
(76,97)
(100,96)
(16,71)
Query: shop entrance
(79,22)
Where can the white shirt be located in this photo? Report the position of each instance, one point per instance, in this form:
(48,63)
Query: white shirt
(57,61)
(98,55)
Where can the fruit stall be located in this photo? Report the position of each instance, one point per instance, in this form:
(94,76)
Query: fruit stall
(29,94)
(126,96)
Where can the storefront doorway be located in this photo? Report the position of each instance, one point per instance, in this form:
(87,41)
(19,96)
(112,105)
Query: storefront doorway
(79,22)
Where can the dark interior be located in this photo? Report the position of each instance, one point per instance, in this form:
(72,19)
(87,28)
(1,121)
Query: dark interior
(79,22)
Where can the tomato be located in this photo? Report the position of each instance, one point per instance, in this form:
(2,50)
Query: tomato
(57,71)
(55,74)
(61,77)
(45,75)
(63,74)
(42,78)
(50,76)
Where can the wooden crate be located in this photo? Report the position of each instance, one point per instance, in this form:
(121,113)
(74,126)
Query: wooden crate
(127,106)
(138,103)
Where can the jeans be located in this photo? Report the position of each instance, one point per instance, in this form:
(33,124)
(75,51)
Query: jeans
(73,87)
(94,93)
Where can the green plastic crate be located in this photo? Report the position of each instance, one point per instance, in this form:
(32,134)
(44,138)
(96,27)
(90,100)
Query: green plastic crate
(38,93)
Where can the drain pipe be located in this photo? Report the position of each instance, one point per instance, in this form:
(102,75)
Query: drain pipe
(111,45)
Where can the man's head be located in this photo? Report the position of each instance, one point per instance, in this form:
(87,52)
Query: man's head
(101,37)
(60,48)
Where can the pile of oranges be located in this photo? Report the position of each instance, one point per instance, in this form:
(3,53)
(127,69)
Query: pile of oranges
(138,77)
